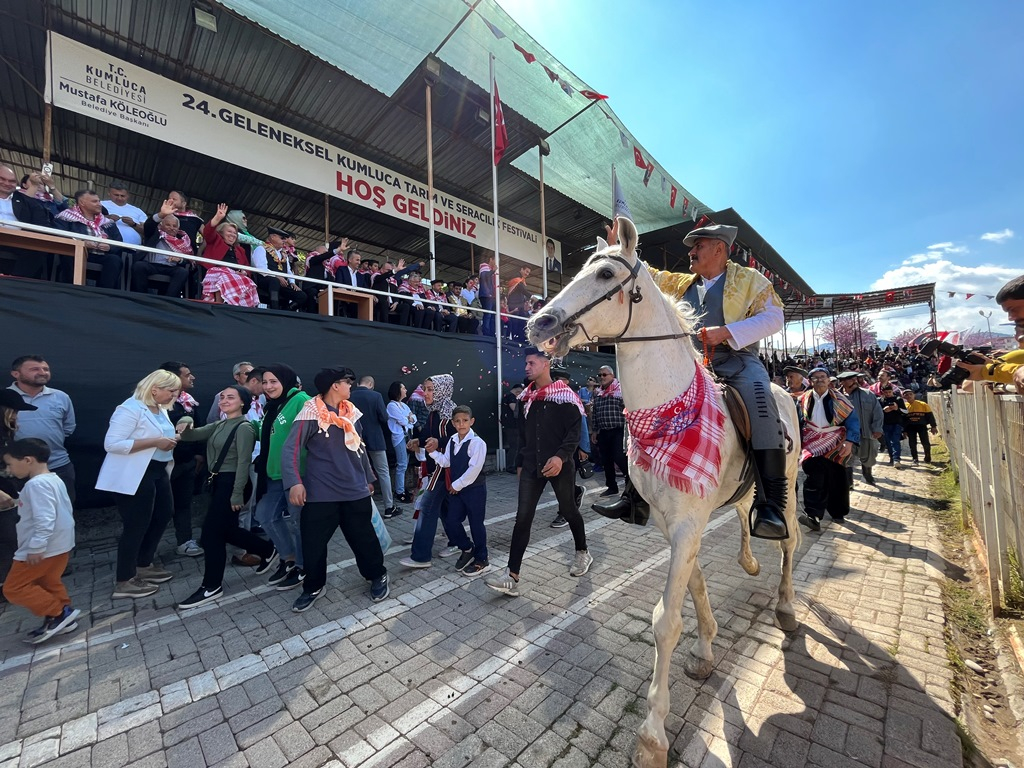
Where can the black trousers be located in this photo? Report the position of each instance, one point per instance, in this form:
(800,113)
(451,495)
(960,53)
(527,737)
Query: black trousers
(613,454)
(319,521)
(144,517)
(183,484)
(110,261)
(8,540)
(142,270)
(468,324)
(530,489)
(826,489)
(221,528)
(913,433)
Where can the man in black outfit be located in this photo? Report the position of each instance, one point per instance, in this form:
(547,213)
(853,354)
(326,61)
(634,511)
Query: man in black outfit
(375,426)
(188,460)
(17,205)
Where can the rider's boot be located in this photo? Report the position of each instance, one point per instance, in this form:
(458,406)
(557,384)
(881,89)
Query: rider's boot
(630,506)
(767,514)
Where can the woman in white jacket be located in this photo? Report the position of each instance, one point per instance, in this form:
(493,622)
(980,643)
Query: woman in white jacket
(140,444)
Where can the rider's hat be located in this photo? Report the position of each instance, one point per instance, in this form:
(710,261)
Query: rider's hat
(794,369)
(722,232)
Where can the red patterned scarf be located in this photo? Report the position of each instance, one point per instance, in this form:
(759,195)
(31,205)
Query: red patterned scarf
(94,226)
(345,419)
(680,442)
(555,392)
(612,390)
(181,244)
(335,263)
(187,402)
(824,441)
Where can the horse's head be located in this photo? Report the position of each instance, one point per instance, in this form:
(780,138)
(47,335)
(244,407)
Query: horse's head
(587,308)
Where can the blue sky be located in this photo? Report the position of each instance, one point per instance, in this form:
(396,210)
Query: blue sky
(852,136)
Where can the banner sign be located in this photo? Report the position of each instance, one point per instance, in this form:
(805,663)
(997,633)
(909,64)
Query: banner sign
(89,82)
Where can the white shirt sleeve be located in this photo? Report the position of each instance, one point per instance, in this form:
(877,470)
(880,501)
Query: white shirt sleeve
(760,326)
(477,456)
(259,257)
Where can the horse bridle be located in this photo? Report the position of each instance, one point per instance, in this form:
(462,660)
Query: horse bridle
(571,323)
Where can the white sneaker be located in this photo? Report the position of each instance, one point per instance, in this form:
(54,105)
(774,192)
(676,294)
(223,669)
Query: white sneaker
(450,552)
(408,562)
(191,549)
(581,564)
(504,583)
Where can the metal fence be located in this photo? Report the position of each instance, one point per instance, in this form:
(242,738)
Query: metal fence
(985,435)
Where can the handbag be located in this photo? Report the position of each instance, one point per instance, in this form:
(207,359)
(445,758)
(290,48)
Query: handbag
(215,469)
(585,469)
(383,537)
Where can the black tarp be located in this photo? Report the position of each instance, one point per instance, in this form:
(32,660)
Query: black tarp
(99,343)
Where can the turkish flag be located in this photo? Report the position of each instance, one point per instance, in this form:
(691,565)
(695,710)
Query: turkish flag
(530,58)
(648,173)
(672,197)
(551,75)
(500,134)
(594,95)
(686,204)
(638,159)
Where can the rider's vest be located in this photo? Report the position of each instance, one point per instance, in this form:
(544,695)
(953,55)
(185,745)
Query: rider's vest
(711,311)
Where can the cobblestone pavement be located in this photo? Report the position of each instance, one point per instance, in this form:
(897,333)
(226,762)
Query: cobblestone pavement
(448,673)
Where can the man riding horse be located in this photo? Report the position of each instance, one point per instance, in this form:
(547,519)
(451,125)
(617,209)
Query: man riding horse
(738,307)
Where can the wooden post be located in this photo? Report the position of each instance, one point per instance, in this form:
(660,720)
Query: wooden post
(47,131)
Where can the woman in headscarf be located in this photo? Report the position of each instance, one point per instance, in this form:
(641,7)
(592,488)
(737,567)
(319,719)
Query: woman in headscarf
(334,487)
(284,401)
(246,240)
(433,434)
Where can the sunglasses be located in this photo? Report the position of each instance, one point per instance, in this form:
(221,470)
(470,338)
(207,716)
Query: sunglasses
(604,375)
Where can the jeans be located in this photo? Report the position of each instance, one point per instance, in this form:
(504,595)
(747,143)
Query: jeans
(221,528)
(320,519)
(144,517)
(530,489)
(270,516)
(401,462)
(612,454)
(893,433)
(433,504)
(469,503)
(487,302)
(379,461)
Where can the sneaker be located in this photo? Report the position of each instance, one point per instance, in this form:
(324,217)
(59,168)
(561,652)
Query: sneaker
(380,589)
(190,549)
(153,574)
(559,522)
(810,522)
(257,530)
(282,571)
(408,562)
(134,588)
(504,583)
(450,551)
(264,565)
(477,568)
(577,496)
(391,512)
(56,624)
(305,601)
(295,577)
(33,637)
(581,564)
(464,559)
(899,465)
(609,492)
(201,596)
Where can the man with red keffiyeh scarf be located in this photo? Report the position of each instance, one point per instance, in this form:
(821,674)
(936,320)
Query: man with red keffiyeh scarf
(171,238)
(86,217)
(550,419)
(188,459)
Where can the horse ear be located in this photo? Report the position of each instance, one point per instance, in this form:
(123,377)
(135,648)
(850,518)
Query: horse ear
(601,243)
(627,234)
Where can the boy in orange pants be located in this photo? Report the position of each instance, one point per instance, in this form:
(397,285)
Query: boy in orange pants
(46,536)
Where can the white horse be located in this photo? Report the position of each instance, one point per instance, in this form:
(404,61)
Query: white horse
(614,299)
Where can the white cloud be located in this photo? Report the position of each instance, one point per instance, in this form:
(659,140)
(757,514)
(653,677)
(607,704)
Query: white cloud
(940,246)
(998,237)
(919,258)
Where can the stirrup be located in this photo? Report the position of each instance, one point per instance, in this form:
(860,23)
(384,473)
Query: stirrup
(752,519)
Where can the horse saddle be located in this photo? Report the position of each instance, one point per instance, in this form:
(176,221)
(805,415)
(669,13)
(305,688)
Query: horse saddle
(738,413)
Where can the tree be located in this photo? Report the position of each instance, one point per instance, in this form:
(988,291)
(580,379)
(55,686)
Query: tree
(850,333)
(903,338)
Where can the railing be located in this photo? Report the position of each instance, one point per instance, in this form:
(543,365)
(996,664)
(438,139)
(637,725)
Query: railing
(249,270)
(985,435)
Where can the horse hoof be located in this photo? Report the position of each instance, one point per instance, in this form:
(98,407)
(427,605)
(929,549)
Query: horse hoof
(697,668)
(751,566)
(787,621)
(648,755)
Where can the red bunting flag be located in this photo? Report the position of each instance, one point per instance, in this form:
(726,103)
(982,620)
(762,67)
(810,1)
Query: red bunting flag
(552,75)
(638,159)
(969,295)
(648,173)
(672,197)
(530,58)
(500,133)
(593,95)
(686,204)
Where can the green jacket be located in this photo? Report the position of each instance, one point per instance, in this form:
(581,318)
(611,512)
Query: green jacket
(279,433)
(239,455)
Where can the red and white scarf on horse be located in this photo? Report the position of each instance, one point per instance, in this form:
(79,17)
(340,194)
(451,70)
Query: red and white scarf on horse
(824,441)
(555,392)
(612,390)
(94,226)
(680,442)
(182,244)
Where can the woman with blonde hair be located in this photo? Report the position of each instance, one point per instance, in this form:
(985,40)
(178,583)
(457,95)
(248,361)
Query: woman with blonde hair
(137,469)
(223,285)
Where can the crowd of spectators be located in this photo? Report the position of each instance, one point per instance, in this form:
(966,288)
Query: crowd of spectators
(402,295)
